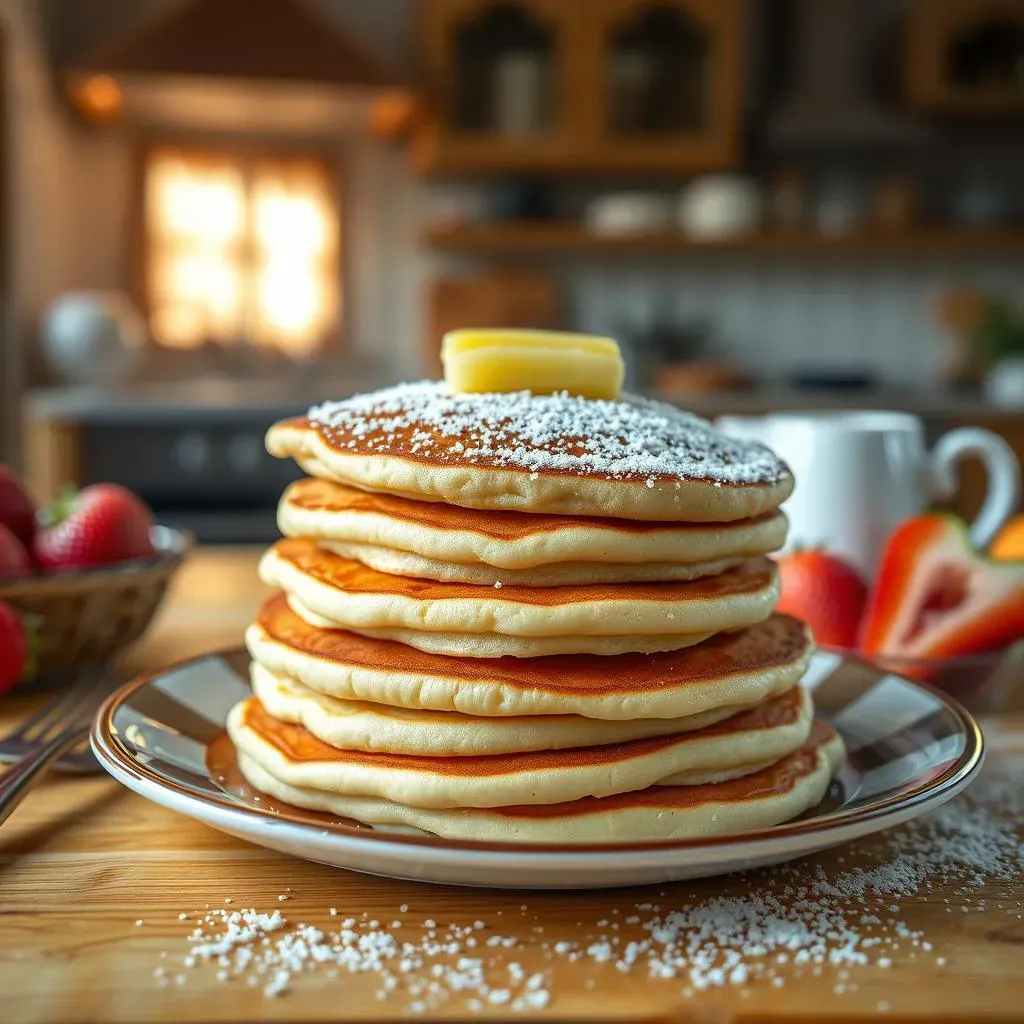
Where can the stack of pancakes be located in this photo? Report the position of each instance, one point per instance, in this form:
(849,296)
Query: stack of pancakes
(529,618)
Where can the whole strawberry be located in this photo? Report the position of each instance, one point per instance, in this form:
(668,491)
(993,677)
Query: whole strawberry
(16,648)
(99,525)
(14,559)
(826,592)
(17,509)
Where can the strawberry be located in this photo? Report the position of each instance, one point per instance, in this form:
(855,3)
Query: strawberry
(17,509)
(17,643)
(826,592)
(14,559)
(936,597)
(102,524)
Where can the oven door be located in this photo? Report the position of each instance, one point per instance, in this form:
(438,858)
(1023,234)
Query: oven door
(212,476)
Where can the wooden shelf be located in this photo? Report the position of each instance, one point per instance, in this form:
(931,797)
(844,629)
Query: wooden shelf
(993,102)
(488,155)
(556,236)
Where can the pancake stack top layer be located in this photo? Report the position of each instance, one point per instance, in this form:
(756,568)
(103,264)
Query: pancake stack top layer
(559,454)
(530,618)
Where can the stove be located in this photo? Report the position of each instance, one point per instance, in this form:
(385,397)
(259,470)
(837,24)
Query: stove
(195,452)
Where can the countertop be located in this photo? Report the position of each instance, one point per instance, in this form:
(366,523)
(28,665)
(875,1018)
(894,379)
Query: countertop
(100,890)
(266,400)
(206,397)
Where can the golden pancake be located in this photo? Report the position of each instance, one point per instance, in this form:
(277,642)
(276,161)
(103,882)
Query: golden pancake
(361,725)
(349,595)
(727,749)
(558,574)
(502,645)
(734,669)
(555,454)
(772,795)
(459,539)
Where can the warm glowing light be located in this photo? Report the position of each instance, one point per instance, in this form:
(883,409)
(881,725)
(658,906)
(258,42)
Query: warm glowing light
(197,288)
(242,252)
(178,327)
(291,223)
(98,98)
(290,303)
(204,203)
(393,114)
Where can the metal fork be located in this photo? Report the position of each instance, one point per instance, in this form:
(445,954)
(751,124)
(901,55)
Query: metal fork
(58,732)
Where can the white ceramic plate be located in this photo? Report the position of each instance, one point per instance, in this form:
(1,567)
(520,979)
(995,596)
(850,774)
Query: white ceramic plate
(910,749)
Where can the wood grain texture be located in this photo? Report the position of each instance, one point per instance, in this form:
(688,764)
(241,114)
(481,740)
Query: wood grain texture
(568,236)
(579,141)
(82,860)
(53,455)
(931,31)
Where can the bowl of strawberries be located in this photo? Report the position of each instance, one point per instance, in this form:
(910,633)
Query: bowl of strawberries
(937,610)
(79,579)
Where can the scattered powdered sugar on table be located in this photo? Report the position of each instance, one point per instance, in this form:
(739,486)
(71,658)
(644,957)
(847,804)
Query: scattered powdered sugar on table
(770,927)
(629,439)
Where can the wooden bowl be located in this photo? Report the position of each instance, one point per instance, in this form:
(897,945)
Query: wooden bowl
(91,615)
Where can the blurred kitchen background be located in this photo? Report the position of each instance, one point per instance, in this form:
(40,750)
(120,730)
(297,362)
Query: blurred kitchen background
(215,212)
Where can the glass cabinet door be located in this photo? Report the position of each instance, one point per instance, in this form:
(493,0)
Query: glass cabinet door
(501,74)
(966,57)
(669,80)
(505,79)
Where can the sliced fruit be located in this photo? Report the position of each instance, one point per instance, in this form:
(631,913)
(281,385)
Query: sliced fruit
(825,592)
(936,597)
(101,524)
(17,509)
(1009,543)
(507,359)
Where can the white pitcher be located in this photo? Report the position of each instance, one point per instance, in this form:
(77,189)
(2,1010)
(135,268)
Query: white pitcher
(859,474)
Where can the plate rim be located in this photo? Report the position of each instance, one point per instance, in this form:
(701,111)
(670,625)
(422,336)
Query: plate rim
(112,753)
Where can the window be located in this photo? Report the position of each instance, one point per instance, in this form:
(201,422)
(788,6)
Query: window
(241,250)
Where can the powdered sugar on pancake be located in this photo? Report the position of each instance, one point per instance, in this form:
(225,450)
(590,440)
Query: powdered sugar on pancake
(629,439)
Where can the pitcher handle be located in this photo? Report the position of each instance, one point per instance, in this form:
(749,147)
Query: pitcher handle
(1002,469)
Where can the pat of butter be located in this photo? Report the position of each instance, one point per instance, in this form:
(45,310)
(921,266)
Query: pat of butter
(507,359)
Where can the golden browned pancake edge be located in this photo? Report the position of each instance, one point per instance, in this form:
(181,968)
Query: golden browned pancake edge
(775,780)
(298,745)
(405,443)
(395,462)
(344,574)
(313,495)
(777,642)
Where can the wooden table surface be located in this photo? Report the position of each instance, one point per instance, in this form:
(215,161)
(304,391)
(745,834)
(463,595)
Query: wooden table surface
(83,860)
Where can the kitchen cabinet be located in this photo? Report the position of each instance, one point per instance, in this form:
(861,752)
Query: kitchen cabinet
(501,85)
(966,57)
(668,84)
(609,86)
